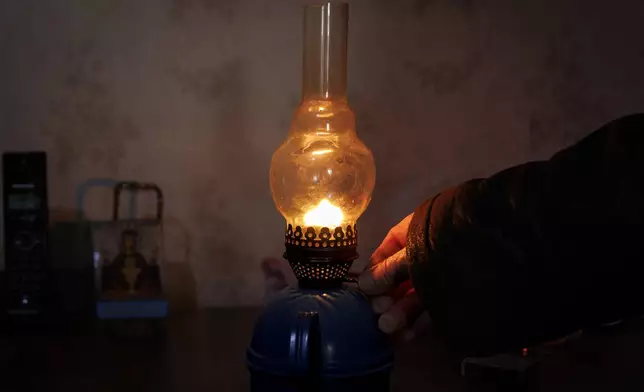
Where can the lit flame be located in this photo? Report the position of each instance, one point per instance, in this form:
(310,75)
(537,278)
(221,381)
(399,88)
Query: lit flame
(324,214)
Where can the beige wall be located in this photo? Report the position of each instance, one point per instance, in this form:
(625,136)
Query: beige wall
(196,94)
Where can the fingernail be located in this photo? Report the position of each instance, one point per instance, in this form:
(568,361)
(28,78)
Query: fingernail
(391,321)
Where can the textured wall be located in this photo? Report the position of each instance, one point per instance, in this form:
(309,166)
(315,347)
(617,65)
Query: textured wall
(196,94)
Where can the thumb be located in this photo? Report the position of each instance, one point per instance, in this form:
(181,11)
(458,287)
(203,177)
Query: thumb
(385,275)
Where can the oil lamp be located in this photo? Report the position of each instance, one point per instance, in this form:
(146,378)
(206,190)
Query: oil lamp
(321,335)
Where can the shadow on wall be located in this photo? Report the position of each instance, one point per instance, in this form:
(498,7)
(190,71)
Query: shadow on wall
(562,101)
(224,185)
(178,277)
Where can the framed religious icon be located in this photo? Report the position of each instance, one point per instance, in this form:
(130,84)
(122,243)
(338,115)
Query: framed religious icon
(132,272)
(127,254)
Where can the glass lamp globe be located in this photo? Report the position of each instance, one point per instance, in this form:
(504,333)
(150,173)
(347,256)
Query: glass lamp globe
(323,174)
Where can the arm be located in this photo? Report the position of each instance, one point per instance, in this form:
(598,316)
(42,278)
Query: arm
(539,250)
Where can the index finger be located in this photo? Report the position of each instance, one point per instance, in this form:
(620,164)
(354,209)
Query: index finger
(394,241)
(385,276)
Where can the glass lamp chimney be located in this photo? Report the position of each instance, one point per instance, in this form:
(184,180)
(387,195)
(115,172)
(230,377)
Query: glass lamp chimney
(325,51)
(322,175)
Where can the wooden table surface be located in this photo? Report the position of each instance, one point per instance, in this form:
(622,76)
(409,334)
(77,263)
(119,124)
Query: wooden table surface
(205,351)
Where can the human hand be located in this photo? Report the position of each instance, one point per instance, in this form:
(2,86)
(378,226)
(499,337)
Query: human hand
(387,280)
